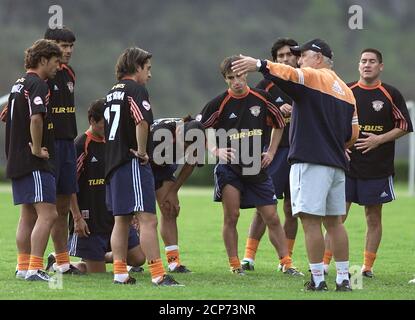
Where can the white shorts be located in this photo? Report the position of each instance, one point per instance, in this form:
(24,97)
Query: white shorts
(317,190)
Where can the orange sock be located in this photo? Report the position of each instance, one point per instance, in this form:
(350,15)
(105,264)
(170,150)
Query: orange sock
(23,260)
(156,268)
(327,257)
(35,263)
(234,262)
(369,260)
(173,256)
(251,248)
(62,258)
(120,267)
(286,262)
(290,245)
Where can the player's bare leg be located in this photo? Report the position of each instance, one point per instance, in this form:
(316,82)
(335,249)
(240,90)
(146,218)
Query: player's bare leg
(290,225)
(256,231)
(230,203)
(119,245)
(59,233)
(25,227)
(373,237)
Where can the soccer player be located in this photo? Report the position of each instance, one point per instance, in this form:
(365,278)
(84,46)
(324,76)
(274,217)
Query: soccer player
(130,182)
(29,150)
(245,114)
(323,124)
(167,186)
(62,106)
(90,234)
(383,118)
(279,169)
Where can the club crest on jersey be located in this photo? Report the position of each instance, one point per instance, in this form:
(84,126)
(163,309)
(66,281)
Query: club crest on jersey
(38,101)
(255,110)
(146,105)
(70,86)
(377,105)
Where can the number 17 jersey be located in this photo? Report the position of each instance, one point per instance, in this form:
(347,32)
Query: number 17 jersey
(127,104)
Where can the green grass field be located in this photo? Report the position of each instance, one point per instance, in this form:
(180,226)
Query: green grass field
(202,250)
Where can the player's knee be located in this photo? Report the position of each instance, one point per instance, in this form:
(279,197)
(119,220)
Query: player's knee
(231,217)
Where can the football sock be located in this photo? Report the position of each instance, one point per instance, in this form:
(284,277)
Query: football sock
(156,269)
(286,262)
(250,249)
(62,261)
(23,261)
(234,263)
(342,268)
(120,271)
(35,263)
(328,255)
(290,244)
(173,258)
(317,271)
(369,261)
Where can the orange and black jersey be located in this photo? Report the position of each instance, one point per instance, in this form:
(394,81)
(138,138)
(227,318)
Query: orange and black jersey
(380,109)
(279,99)
(127,104)
(90,152)
(323,119)
(29,96)
(250,115)
(62,103)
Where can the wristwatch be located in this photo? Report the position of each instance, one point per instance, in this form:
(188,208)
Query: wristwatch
(258,64)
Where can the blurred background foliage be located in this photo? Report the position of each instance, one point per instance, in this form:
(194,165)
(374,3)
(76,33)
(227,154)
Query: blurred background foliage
(189,39)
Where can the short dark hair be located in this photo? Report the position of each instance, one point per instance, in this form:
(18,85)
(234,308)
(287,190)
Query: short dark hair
(226,64)
(41,49)
(96,110)
(280,43)
(63,34)
(130,60)
(375,51)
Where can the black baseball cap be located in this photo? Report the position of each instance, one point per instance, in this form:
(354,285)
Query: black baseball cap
(316,45)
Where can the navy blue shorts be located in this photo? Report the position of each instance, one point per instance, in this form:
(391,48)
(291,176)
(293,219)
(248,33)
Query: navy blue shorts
(131,189)
(279,170)
(97,245)
(252,194)
(38,186)
(164,173)
(65,167)
(369,192)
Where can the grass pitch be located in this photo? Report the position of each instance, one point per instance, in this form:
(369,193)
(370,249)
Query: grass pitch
(202,250)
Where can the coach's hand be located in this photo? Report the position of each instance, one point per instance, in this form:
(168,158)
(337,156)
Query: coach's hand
(372,141)
(81,228)
(244,65)
(143,157)
(42,153)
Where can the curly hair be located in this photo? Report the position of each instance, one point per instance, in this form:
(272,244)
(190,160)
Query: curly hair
(41,49)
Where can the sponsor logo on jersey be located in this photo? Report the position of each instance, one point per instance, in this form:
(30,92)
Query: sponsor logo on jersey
(377,105)
(38,101)
(70,86)
(245,134)
(96,182)
(232,116)
(337,88)
(255,110)
(369,128)
(146,105)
